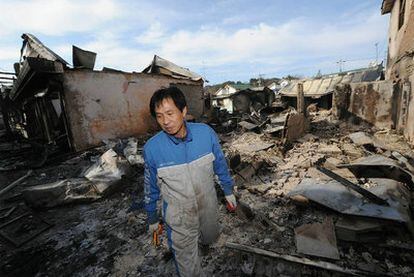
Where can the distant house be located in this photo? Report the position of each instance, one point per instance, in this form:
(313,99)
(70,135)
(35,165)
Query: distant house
(274,86)
(241,97)
(225,91)
(222,97)
(255,98)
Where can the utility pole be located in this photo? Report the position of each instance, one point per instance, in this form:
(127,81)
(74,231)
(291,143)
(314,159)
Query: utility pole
(376,52)
(340,62)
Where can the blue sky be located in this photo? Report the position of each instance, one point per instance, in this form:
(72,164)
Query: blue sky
(221,40)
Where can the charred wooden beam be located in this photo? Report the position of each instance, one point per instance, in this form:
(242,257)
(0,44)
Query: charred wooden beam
(367,194)
(304,261)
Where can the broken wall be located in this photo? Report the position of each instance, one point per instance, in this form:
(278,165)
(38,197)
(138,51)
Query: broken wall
(340,101)
(406,103)
(108,105)
(401,41)
(400,63)
(225,103)
(374,102)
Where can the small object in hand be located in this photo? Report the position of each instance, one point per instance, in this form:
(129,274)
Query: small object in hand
(156,235)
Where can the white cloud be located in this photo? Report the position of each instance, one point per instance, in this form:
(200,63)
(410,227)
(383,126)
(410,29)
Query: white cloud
(153,35)
(112,53)
(9,53)
(113,31)
(274,44)
(55,17)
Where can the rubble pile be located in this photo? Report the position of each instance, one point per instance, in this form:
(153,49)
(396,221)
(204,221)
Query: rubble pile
(329,144)
(293,218)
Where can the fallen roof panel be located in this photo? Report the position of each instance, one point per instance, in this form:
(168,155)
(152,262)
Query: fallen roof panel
(337,197)
(377,166)
(168,68)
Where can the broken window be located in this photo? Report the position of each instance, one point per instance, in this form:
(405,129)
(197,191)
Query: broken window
(401,14)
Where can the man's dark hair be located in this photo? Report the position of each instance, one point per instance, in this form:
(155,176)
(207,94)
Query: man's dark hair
(171,92)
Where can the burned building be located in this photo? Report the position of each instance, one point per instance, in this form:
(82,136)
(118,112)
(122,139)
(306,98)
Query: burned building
(317,196)
(222,97)
(388,103)
(255,98)
(78,107)
(320,90)
(238,98)
(400,61)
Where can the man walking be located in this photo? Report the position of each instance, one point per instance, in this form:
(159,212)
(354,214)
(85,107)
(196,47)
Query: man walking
(180,164)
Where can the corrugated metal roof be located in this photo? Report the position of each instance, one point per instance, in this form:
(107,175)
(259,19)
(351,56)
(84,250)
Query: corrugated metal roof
(316,88)
(335,80)
(386,6)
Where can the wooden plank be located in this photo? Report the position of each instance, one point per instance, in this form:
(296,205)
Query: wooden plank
(367,194)
(15,183)
(304,261)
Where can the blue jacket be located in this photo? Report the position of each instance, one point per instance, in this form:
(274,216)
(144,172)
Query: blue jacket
(166,154)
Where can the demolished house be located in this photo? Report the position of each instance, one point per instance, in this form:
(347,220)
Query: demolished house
(78,107)
(321,90)
(247,106)
(236,98)
(222,97)
(323,191)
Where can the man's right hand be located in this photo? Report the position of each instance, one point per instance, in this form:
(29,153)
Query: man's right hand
(231,203)
(155,230)
(153,227)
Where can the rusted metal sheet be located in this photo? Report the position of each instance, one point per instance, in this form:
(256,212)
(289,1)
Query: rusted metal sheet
(373,102)
(108,105)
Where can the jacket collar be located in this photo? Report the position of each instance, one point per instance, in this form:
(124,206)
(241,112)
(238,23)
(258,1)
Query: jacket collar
(188,137)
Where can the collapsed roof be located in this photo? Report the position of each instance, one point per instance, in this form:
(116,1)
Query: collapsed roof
(33,47)
(162,66)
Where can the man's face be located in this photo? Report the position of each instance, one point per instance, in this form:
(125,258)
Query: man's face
(170,118)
